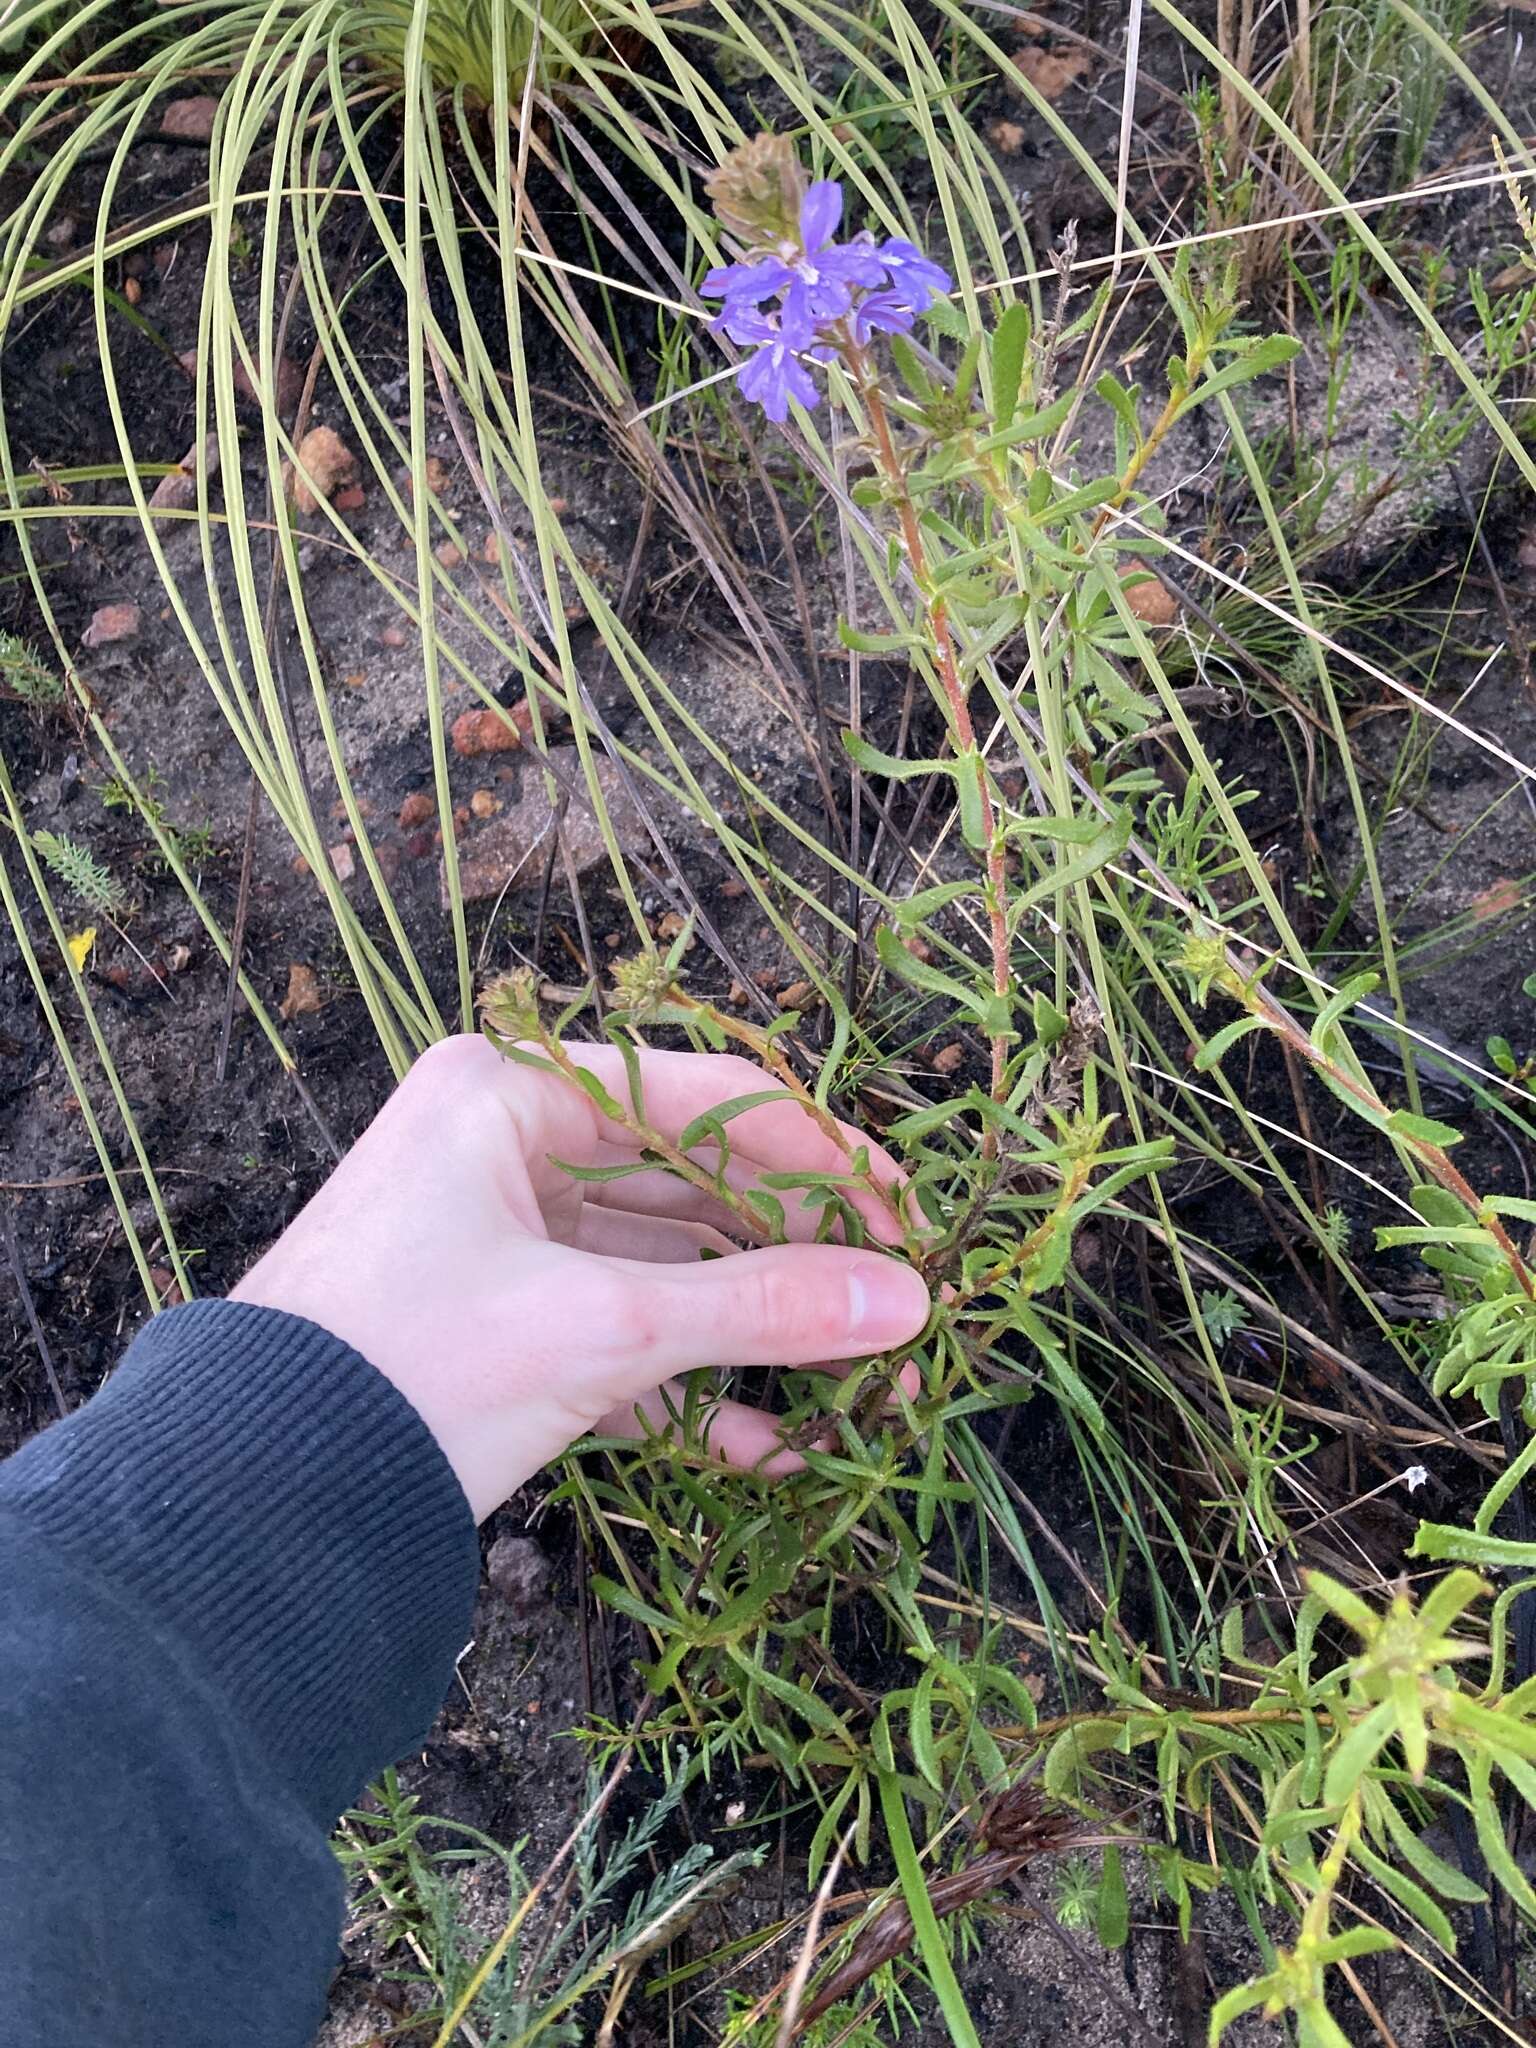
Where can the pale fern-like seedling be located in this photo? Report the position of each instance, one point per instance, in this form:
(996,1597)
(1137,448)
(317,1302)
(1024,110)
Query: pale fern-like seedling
(81,873)
(25,675)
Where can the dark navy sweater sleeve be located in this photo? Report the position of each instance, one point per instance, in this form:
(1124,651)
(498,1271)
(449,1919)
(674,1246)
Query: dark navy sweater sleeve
(232,1589)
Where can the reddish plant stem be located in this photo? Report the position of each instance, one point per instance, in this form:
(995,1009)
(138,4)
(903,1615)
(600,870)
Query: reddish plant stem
(961,728)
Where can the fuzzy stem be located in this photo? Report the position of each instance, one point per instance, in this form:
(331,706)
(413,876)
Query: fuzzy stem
(766,1050)
(962,732)
(652,1141)
(1177,400)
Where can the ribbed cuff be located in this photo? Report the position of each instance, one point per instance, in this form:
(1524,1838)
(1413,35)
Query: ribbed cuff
(275,1509)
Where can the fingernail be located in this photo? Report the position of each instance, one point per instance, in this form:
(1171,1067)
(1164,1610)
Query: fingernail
(887,1303)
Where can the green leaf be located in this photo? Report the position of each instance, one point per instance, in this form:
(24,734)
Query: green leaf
(1215,1049)
(1065,1773)
(737,1615)
(1233,2004)
(708,1125)
(1443,1606)
(620,1598)
(876,643)
(1445,1542)
(970,787)
(826,1827)
(1111,841)
(1490,1829)
(590,1085)
(920,1729)
(1069,830)
(1357,1752)
(1402,1123)
(798,1698)
(1447,1880)
(1356,1941)
(925,1924)
(920,973)
(873,762)
(598,1173)
(910,364)
(1344,998)
(1358,1614)
(1268,354)
(1033,427)
(1085,499)
(922,904)
(1010,341)
(628,1051)
(938,1116)
(1050,1024)
(1122,403)
(1114,1906)
(947,317)
(1437,1205)
(933,1474)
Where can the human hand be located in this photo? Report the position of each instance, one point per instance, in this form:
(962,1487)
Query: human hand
(517,1308)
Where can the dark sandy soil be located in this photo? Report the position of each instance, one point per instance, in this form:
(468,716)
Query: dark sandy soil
(237,1155)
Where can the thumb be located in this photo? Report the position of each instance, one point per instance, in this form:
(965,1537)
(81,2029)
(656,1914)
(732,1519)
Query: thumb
(794,1304)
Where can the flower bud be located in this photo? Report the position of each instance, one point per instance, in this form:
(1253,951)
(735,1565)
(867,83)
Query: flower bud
(510,1005)
(757,191)
(645,987)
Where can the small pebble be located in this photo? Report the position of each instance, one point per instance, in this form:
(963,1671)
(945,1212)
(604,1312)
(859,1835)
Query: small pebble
(417,809)
(190,120)
(492,732)
(517,1571)
(343,864)
(113,623)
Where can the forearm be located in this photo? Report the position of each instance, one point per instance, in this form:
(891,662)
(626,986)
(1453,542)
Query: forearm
(231,1589)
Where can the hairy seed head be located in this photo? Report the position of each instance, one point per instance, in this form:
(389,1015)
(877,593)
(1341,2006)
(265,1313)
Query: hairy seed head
(510,1004)
(644,986)
(756,192)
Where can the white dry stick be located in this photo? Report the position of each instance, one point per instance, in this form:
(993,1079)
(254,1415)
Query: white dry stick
(794,1991)
(1127,122)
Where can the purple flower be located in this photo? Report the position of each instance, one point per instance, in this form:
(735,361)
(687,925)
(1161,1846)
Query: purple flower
(880,313)
(772,376)
(829,294)
(746,284)
(827,273)
(915,280)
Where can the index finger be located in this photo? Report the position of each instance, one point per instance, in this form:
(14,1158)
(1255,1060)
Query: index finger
(779,1136)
